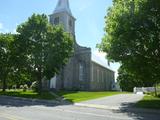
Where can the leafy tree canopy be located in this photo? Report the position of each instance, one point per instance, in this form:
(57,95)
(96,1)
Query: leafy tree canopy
(133,37)
(46,48)
(128,81)
(5,57)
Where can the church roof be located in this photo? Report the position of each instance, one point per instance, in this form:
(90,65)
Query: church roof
(63,6)
(101,61)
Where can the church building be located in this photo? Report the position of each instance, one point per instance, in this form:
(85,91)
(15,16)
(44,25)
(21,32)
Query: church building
(82,72)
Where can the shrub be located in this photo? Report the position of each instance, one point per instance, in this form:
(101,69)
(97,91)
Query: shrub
(25,87)
(21,87)
(14,87)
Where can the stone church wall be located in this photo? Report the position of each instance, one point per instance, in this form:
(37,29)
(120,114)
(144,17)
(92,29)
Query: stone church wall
(80,73)
(83,56)
(68,78)
(101,78)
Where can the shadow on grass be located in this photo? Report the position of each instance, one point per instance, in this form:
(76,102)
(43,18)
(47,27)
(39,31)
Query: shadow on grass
(63,94)
(22,99)
(143,110)
(152,104)
(28,94)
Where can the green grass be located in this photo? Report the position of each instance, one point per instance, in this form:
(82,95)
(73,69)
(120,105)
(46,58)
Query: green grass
(74,96)
(149,102)
(28,94)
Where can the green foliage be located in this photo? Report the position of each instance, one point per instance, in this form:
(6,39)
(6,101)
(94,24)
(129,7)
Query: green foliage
(38,51)
(128,81)
(149,102)
(132,37)
(0,84)
(44,48)
(25,88)
(5,58)
(29,94)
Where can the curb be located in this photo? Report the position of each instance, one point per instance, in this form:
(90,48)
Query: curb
(32,100)
(139,110)
(96,106)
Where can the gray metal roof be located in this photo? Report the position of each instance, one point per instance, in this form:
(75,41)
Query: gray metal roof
(101,61)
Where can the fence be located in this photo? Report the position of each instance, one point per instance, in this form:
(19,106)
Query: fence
(145,89)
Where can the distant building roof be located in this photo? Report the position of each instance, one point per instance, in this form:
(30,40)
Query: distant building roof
(101,61)
(63,6)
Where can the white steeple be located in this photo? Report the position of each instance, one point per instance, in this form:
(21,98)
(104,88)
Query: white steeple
(63,6)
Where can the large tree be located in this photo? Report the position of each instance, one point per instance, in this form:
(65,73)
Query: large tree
(133,37)
(45,48)
(5,58)
(128,81)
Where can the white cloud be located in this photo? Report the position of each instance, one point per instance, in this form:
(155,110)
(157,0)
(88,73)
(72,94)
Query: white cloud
(6,30)
(3,29)
(14,31)
(99,57)
(1,26)
(100,54)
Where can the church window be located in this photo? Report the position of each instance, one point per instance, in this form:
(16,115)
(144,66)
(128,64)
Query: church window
(98,80)
(70,23)
(102,76)
(92,73)
(81,72)
(56,21)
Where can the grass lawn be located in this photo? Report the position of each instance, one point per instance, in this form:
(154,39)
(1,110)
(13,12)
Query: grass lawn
(149,102)
(28,94)
(78,96)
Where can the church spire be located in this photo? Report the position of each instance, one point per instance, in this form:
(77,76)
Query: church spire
(62,15)
(63,6)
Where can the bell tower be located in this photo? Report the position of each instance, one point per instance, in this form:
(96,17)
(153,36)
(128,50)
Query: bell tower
(62,15)
(76,73)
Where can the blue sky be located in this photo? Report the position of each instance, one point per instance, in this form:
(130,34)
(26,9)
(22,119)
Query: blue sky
(89,14)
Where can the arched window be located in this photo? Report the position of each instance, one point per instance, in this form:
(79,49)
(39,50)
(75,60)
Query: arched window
(70,23)
(98,74)
(81,72)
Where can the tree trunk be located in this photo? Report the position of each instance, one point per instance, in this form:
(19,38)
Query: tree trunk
(4,85)
(39,76)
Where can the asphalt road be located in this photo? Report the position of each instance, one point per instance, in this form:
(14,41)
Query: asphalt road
(23,110)
(116,101)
